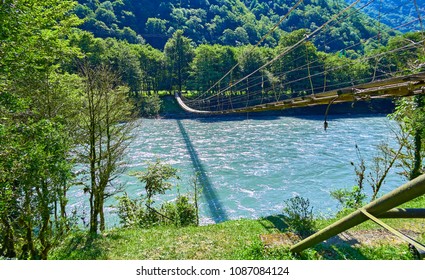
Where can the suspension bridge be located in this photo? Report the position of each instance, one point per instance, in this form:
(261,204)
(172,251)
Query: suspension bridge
(296,78)
(389,88)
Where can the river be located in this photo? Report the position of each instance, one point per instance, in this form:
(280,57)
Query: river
(249,166)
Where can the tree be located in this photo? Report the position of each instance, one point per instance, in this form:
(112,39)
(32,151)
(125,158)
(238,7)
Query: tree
(179,53)
(34,129)
(105,126)
(209,64)
(152,63)
(155,179)
(410,114)
(300,62)
(34,176)
(156,26)
(124,60)
(249,61)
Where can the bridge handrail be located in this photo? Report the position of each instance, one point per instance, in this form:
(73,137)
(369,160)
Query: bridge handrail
(402,194)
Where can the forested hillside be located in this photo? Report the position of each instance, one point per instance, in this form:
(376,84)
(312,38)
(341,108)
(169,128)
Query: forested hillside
(395,13)
(226,22)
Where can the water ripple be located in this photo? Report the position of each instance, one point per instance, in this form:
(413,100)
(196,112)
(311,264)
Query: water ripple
(253,166)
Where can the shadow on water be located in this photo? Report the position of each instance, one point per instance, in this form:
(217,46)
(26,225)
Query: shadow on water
(214,204)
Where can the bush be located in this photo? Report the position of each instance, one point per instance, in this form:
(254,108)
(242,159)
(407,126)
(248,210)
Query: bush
(181,213)
(349,199)
(150,105)
(186,212)
(132,212)
(299,216)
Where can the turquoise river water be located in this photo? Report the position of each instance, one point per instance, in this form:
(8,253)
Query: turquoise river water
(249,167)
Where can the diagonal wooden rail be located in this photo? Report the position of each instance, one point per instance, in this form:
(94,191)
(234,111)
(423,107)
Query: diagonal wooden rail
(394,87)
(381,206)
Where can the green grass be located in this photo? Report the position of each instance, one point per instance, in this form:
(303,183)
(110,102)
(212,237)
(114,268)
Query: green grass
(220,241)
(230,240)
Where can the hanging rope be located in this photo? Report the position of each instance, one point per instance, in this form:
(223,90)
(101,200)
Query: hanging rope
(325,124)
(255,89)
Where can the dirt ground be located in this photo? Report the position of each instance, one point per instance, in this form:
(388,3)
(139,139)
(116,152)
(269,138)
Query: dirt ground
(354,238)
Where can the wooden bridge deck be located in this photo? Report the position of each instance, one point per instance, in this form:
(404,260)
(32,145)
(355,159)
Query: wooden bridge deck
(388,88)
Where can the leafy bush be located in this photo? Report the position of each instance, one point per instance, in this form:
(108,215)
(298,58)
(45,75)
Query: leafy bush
(299,216)
(180,213)
(130,211)
(349,199)
(186,212)
(150,105)
(140,211)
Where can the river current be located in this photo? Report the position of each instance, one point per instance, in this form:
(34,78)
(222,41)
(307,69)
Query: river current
(249,166)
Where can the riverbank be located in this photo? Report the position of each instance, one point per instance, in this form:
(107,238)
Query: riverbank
(262,239)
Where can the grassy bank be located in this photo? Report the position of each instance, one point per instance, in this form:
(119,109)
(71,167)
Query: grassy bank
(266,238)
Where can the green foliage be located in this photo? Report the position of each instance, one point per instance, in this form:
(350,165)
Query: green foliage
(209,64)
(232,23)
(349,199)
(181,213)
(150,105)
(179,54)
(104,129)
(140,211)
(35,169)
(397,13)
(130,211)
(410,114)
(34,178)
(155,179)
(299,215)
(135,213)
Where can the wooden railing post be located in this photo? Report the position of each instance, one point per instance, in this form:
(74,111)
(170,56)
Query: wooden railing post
(405,193)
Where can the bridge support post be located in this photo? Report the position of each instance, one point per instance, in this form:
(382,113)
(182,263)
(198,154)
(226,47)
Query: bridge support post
(405,193)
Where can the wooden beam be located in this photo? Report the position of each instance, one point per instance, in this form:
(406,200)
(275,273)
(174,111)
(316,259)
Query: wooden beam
(404,193)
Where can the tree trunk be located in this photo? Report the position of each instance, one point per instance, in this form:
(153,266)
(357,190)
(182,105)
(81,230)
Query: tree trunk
(8,243)
(101,214)
(417,165)
(418,158)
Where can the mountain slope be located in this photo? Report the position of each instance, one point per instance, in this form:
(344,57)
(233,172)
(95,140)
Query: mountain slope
(396,13)
(227,22)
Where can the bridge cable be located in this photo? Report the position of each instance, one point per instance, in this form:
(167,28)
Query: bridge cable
(410,46)
(258,43)
(308,65)
(346,17)
(307,37)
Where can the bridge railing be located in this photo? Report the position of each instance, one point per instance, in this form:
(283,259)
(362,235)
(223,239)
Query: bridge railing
(382,207)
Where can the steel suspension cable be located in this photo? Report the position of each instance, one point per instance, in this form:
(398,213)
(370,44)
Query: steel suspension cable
(256,45)
(307,37)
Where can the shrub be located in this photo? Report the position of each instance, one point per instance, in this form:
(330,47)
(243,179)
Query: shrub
(150,105)
(130,211)
(186,212)
(349,199)
(299,216)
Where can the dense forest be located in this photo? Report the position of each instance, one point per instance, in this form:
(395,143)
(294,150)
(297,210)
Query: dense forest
(225,22)
(73,77)
(395,13)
